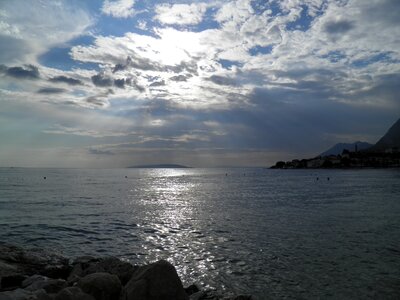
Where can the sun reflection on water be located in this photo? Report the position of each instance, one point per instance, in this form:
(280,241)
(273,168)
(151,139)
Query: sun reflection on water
(173,233)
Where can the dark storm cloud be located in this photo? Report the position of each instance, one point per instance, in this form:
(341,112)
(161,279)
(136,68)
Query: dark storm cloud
(67,80)
(50,90)
(25,72)
(102,80)
(338,27)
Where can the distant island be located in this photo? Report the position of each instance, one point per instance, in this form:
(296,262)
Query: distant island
(160,166)
(384,154)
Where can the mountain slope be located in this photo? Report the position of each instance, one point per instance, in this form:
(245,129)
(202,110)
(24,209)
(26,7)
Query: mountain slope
(389,140)
(338,148)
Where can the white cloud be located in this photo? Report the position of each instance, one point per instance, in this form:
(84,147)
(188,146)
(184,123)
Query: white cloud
(180,14)
(118,8)
(27,31)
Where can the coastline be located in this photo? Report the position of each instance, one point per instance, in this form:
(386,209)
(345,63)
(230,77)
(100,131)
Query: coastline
(36,273)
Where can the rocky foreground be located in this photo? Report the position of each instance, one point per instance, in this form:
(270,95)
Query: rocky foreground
(35,274)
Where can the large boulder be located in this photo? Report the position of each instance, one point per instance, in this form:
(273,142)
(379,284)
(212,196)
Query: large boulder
(50,285)
(73,293)
(102,286)
(157,281)
(16,262)
(86,265)
(21,294)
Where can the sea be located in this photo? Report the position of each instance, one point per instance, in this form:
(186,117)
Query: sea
(275,234)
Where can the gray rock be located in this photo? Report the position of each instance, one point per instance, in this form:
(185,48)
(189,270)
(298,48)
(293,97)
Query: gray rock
(73,293)
(191,289)
(21,294)
(198,295)
(17,261)
(50,285)
(85,259)
(102,286)
(88,265)
(242,297)
(157,281)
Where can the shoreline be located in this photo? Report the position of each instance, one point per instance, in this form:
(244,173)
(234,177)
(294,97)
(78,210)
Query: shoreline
(35,273)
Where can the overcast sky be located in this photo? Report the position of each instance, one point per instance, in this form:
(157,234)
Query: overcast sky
(212,83)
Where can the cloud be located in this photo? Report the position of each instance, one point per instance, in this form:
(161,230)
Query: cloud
(50,90)
(222,80)
(67,80)
(118,8)
(22,27)
(100,152)
(179,78)
(25,72)
(157,83)
(101,80)
(100,100)
(180,14)
(338,27)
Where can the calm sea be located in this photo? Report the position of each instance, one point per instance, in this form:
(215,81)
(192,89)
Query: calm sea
(277,234)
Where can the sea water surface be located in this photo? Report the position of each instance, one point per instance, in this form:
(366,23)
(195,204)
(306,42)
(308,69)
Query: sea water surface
(276,234)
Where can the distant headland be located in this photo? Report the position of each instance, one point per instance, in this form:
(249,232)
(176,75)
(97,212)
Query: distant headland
(384,154)
(161,166)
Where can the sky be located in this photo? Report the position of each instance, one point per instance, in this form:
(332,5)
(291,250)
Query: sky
(201,83)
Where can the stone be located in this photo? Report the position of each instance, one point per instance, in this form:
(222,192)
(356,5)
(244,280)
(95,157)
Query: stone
(21,294)
(191,289)
(198,295)
(73,293)
(87,265)
(102,286)
(11,281)
(15,260)
(50,285)
(156,281)
(242,297)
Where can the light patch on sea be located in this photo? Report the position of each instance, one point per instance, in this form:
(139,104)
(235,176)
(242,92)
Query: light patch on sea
(276,234)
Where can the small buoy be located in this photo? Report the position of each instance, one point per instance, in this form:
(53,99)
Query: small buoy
(226,174)
(44,177)
(126,176)
(317,178)
(328,178)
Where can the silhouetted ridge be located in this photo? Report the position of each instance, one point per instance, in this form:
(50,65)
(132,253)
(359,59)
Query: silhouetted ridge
(338,148)
(390,140)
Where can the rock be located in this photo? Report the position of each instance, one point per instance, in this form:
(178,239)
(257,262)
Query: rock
(242,297)
(20,294)
(191,289)
(198,295)
(157,281)
(50,285)
(88,265)
(73,293)
(85,259)
(102,286)
(11,282)
(122,269)
(17,261)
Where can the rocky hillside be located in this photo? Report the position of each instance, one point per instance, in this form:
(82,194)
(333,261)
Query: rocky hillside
(390,140)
